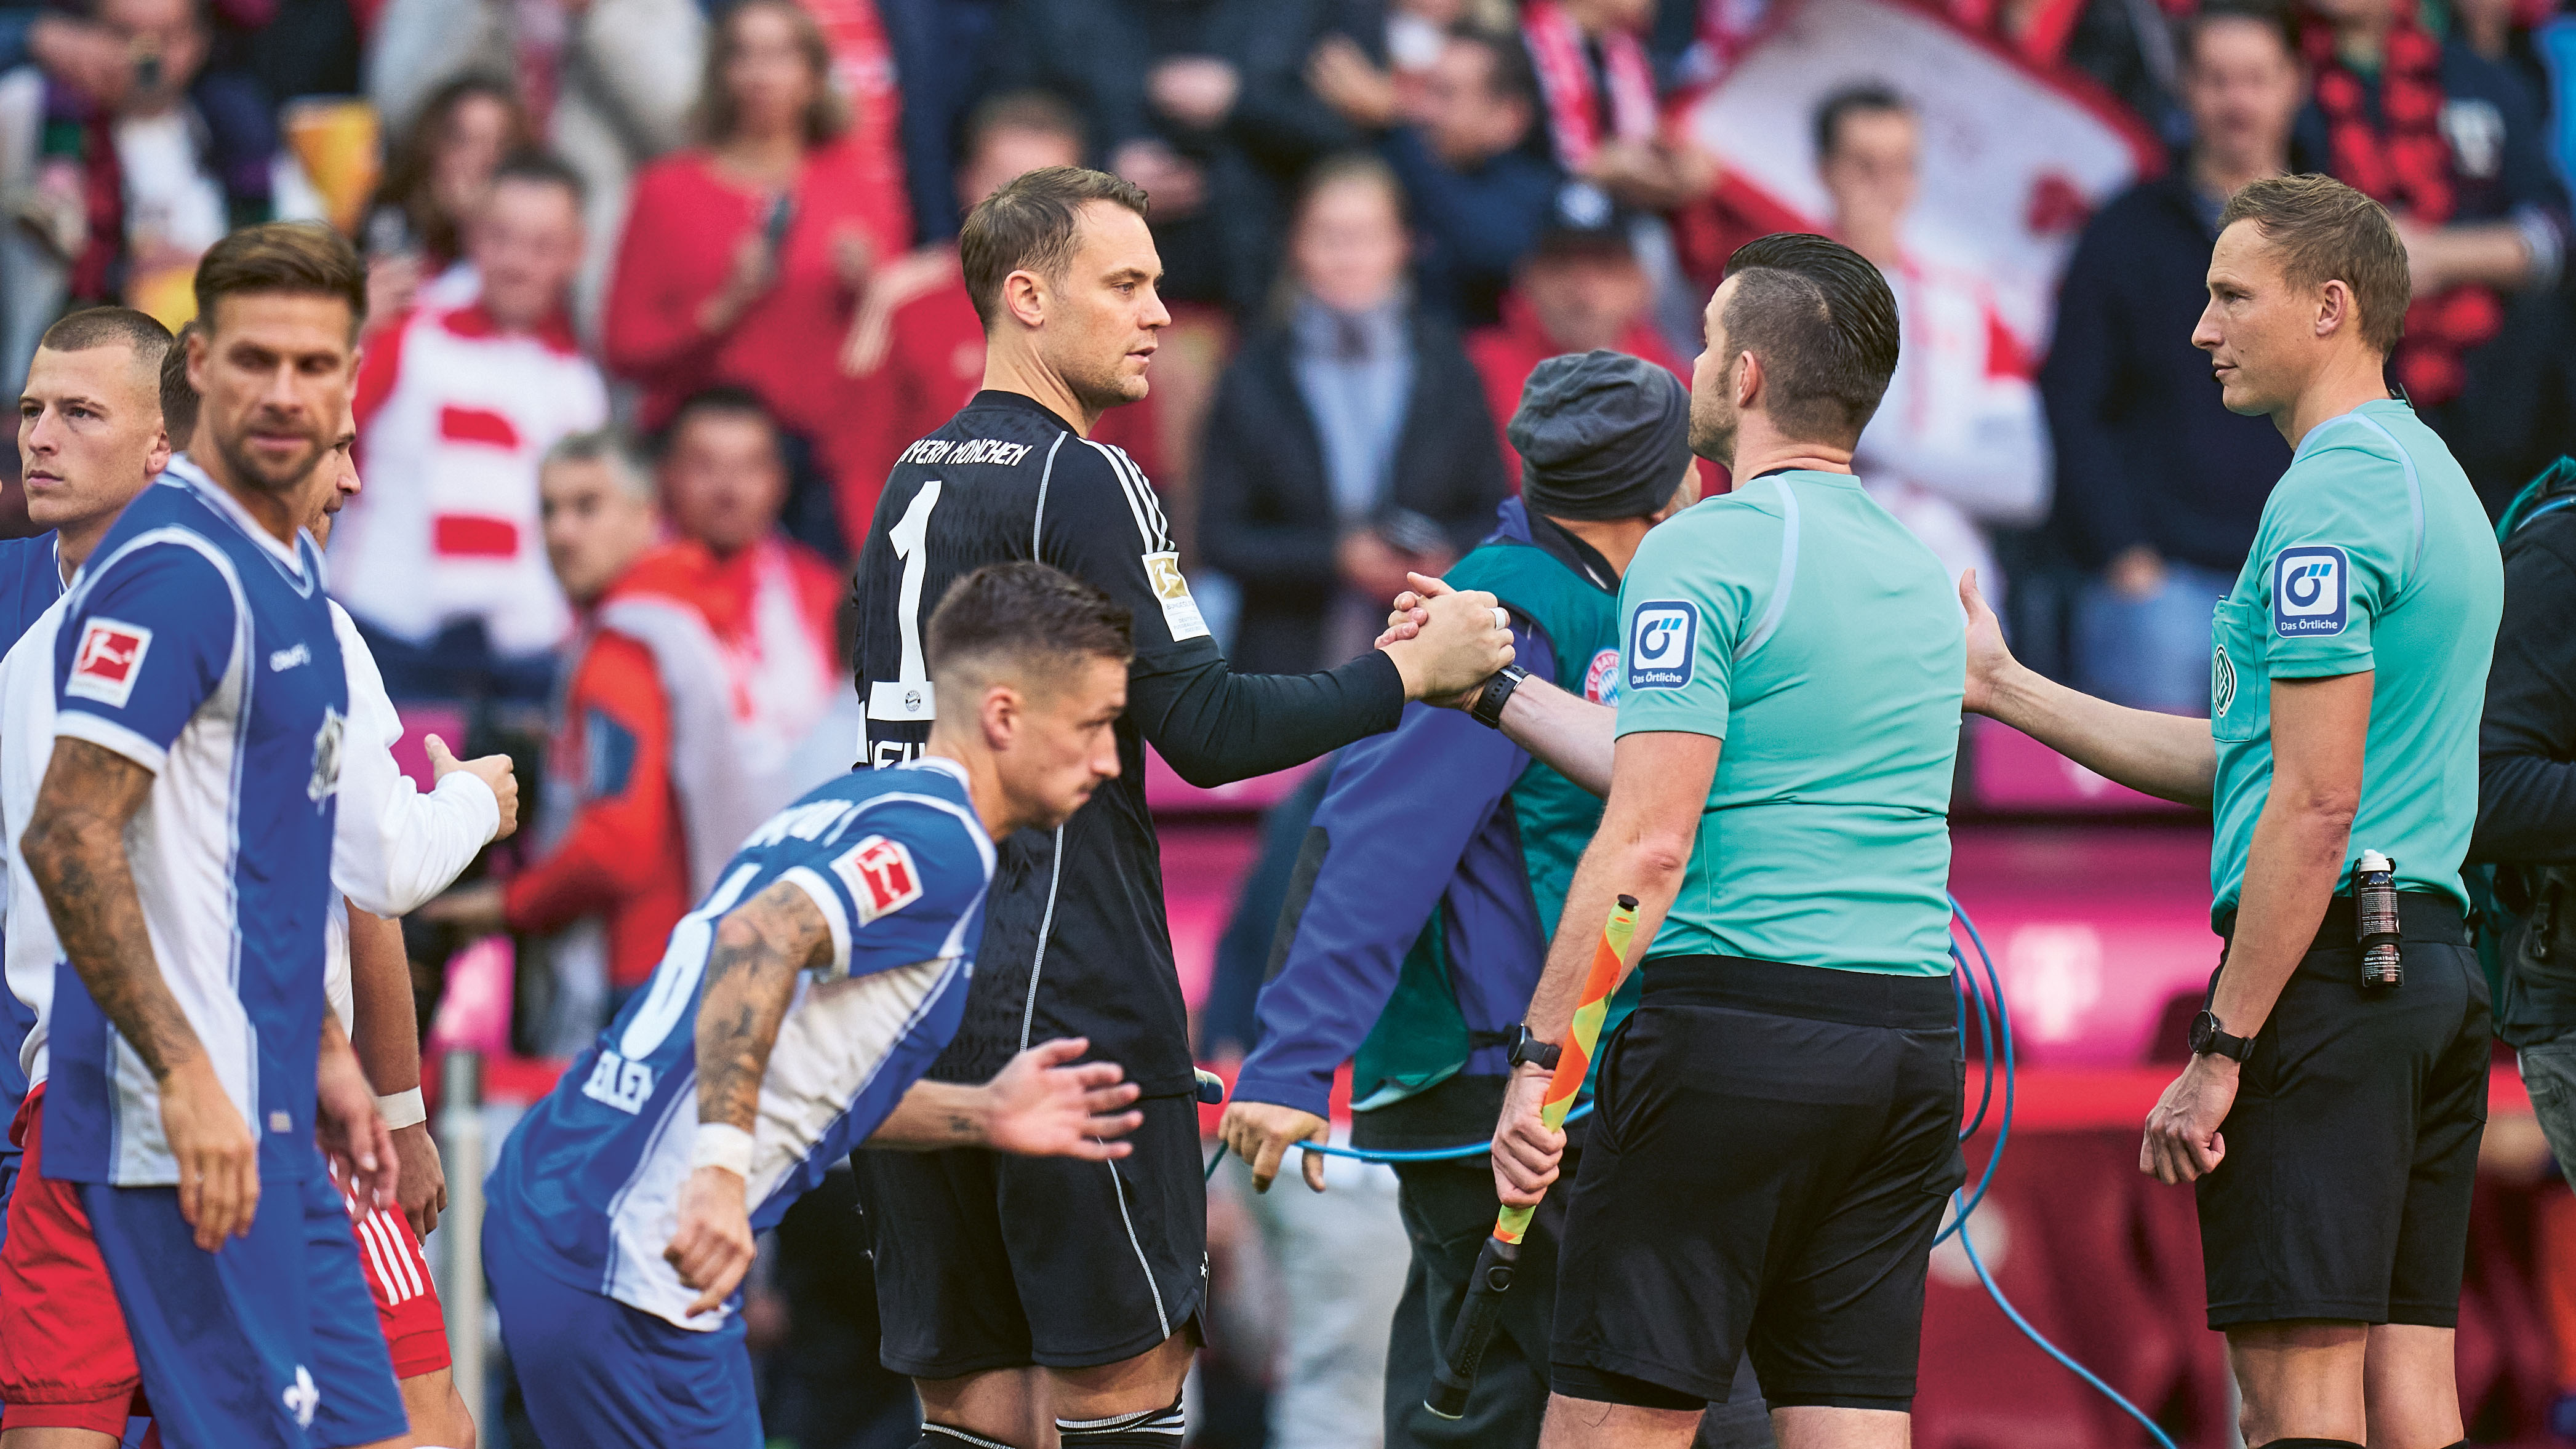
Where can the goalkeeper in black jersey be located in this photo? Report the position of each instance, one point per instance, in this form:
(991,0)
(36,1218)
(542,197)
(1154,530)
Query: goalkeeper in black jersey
(989,1266)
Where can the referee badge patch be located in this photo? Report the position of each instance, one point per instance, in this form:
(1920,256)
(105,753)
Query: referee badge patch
(1663,639)
(2311,586)
(2222,682)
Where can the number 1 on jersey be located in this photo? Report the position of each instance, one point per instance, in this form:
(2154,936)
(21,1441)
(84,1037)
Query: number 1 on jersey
(908,695)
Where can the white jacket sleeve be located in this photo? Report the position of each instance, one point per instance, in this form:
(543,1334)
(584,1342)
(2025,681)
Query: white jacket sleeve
(394,847)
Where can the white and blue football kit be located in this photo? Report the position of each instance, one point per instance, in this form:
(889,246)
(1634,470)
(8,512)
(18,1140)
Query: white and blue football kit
(198,646)
(585,1195)
(31,579)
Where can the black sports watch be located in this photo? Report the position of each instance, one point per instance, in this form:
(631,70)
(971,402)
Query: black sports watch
(1528,1050)
(2208,1039)
(1488,708)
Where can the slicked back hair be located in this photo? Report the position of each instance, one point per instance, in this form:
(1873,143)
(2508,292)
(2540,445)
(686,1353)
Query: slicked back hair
(283,256)
(2324,231)
(178,396)
(1024,622)
(1821,318)
(1032,225)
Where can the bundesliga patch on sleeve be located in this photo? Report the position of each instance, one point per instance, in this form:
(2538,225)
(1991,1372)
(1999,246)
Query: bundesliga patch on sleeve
(1172,589)
(1663,638)
(2311,592)
(109,657)
(880,875)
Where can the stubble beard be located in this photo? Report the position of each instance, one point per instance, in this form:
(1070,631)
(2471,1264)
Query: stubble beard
(246,468)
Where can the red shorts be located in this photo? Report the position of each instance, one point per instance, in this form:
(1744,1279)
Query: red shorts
(406,1300)
(65,1360)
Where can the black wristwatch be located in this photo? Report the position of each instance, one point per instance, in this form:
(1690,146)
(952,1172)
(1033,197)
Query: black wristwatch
(1488,708)
(1528,1050)
(2208,1039)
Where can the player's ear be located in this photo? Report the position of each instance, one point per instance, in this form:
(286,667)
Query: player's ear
(2334,307)
(1024,294)
(1748,380)
(1002,714)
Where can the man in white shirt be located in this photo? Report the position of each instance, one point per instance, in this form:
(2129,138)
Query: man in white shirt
(1960,443)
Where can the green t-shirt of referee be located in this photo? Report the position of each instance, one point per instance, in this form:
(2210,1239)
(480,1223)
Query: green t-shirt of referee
(1799,622)
(2373,554)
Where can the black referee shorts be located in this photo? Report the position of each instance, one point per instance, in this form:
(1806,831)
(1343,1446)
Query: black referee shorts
(2353,1143)
(987,1260)
(1769,1163)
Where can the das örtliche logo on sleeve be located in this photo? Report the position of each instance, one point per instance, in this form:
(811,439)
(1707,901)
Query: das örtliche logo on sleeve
(1663,636)
(2311,585)
(110,656)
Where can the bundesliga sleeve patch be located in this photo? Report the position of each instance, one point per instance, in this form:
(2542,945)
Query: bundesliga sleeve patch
(2311,592)
(1180,611)
(110,656)
(1663,639)
(880,875)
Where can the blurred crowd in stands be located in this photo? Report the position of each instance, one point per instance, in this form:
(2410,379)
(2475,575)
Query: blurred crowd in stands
(660,288)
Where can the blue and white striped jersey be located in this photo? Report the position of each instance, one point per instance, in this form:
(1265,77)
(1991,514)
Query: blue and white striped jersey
(198,646)
(897,863)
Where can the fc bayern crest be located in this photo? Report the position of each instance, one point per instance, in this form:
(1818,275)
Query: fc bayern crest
(1601,681)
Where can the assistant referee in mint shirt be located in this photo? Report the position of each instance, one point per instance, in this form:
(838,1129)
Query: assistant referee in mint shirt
(1777,1122)
(2330,1126)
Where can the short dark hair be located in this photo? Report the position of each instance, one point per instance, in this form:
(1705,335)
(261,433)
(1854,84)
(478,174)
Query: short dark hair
(1027,617)
(1510,78)
(106,326)
(282,256)
(178,395)
(1822,320)
(721,400)
(2275,20)
(1030,226)
(2325,231)
(537,166)
(1039,111)
(1861,99)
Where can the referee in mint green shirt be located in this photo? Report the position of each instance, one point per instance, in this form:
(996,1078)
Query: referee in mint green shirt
(1777,1122)
(2330,1127)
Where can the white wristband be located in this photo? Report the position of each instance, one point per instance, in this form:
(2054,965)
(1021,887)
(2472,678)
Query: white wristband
(721,1144)
(402,1109)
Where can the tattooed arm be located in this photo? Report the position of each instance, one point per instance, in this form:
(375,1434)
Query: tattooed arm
(1039,1104)
(74,847)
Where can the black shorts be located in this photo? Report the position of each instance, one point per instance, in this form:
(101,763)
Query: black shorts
(2353,1143)
(1766,1172)
(985,1260)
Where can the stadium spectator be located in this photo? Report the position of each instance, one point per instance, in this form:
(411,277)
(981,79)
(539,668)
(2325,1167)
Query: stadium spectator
(2159,484)
(440,559)
(1596,86)
(607,84)
(1959,441)
(1349,444)
(743,256)
(2451,143)
(1350,79)
(741,619)
(1580,290)
(611,876)
(1201,102)
(916,348)
(435,179)
(1480,196)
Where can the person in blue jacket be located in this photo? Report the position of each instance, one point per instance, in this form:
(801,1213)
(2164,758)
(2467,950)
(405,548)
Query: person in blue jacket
(1430,883)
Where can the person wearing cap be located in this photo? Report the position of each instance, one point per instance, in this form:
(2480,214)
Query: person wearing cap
(1431,879)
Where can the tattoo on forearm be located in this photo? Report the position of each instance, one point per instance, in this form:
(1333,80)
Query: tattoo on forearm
(962,1128)
(750,979)
(74,846)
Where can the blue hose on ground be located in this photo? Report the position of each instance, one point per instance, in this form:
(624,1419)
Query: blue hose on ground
(1994,1030)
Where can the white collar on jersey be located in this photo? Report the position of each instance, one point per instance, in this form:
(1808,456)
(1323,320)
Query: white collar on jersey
(943,765)
(195,478)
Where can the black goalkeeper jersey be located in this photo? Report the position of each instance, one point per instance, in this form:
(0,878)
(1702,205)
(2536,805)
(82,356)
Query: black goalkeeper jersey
(1075,939)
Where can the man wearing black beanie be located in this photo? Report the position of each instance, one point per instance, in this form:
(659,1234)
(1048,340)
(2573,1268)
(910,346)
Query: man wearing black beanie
(1431,878)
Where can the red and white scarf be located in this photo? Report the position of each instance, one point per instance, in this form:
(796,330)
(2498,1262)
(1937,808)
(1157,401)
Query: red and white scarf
(1565,82)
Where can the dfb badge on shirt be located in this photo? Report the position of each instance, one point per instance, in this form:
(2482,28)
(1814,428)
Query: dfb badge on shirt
(1663,638)
(110,656)
(880,875)
(2311,585)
